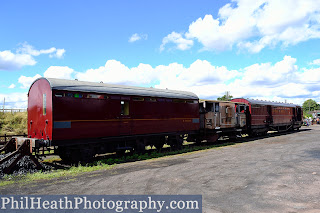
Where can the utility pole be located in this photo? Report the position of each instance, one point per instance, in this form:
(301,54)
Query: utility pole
(227,95)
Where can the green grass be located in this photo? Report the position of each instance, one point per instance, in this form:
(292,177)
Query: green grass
(153,155)
(13,123)
(103,164)
(71,172)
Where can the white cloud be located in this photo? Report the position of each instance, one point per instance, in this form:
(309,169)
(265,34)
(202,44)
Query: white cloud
(58,53)
(11,61)
(26,48)
(51,72)
(24,56)
(315,62)
(30,50)
(14,100)
(12,86)
(267,74)
(27,81)
(176,38)
(310,76)
(59,72)
(270,81)
(136,37)
(256,24)
(198,76)
(278,81)
(116,72)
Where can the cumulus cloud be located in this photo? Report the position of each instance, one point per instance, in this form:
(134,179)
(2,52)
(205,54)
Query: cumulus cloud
(24,56)
(315,62)
(176,38)
(280,81)
(59,53)
(116,72)
(12,86)
(197,76)
(30,50)
(310,75)
(63,72)
(136,37)
(27,81)
(11,61)
(14,100)
(256,24)
(268,74)
(200,74)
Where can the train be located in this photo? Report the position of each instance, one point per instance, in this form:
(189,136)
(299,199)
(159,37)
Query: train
(82,119)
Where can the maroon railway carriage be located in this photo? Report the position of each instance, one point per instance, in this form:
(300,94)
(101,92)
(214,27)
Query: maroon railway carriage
(263,116)
(84,118)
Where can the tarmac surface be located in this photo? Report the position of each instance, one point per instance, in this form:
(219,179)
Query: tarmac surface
(278,173)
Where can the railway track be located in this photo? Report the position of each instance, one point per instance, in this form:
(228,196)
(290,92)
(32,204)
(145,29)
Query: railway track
(16,157)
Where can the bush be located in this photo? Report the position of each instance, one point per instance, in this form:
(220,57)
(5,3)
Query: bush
(13,123)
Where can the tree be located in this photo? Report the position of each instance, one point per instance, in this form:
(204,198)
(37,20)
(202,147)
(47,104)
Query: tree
(226,97)
(309,105)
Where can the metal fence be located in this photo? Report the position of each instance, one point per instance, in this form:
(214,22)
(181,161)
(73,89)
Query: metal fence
(13,110)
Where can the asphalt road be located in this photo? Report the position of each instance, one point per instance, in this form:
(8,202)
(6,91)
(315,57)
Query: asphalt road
(279,173)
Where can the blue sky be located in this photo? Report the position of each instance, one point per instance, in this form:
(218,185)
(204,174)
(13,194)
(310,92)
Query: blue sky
(266,49)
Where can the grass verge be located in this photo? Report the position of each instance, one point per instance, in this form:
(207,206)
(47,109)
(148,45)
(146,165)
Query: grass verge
(103,164)
(72,171)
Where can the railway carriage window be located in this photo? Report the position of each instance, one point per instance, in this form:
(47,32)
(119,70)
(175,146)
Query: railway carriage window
(125,98)
(209,107)
(91,96)
(168,100)
(161,99)
(179,101)
(95,96)
(138,99)
(59,95)
(151,99)
(242,108)
(124,107)
(216,107)
(44,104)
(69,95)
(77,95)
(113,97)
(192,102)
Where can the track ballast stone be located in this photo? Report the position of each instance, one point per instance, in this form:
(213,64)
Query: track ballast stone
(24,166)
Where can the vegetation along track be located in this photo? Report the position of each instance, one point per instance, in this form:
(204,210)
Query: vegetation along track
(26,165)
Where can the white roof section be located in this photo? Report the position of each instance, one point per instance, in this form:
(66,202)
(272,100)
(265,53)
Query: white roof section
(84,86)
